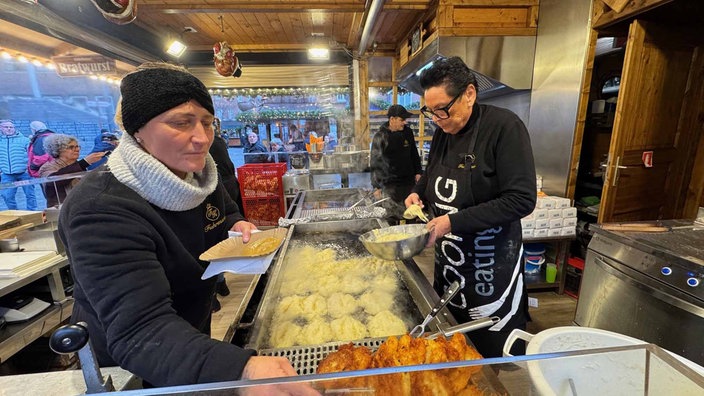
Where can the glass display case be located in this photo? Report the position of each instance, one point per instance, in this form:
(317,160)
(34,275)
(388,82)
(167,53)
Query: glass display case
(48,191)
(628,370)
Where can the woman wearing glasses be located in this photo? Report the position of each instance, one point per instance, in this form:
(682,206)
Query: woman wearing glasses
(64,151)
(479,183)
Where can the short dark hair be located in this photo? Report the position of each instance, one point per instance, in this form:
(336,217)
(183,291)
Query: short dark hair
(452,72)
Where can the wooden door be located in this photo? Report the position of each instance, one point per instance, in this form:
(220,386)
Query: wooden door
(658,106)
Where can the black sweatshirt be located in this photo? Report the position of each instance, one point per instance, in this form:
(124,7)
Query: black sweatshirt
(394,157)
(504,181)
(137,281)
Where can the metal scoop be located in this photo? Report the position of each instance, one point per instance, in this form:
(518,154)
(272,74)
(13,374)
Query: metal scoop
(446,297)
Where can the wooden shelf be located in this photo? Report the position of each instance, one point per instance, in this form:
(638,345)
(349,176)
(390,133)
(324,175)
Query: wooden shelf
(537,280)
(7,286)
(19,335)
(562,253)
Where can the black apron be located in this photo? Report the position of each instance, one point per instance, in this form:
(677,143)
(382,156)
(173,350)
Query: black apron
(487,264)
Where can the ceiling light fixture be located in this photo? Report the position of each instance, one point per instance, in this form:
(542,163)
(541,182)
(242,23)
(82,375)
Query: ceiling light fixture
(176,48)
(319,49)
(318,53)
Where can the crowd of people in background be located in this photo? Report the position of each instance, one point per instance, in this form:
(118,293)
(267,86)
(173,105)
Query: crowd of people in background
(275,150)
(45,153)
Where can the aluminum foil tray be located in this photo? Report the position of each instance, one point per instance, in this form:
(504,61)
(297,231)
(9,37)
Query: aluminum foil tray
(305,359)
(314,212)
(366,212)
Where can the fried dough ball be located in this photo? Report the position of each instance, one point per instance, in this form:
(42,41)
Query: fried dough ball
(288,308)
(315,332)
(324,256)
(385,282)
(376,301)
(284,334)
(353,285)
(385,323)
(348,328)
(314,306)
(340,304)
(327,285)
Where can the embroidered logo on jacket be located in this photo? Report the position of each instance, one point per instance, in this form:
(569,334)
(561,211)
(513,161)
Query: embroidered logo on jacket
(212,214)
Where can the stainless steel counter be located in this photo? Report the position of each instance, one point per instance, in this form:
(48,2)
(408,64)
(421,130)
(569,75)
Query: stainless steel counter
(647,285)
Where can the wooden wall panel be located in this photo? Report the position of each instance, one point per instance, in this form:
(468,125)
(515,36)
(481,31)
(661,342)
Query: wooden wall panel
(496,18)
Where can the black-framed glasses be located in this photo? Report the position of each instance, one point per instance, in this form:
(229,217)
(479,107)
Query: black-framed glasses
(442,113)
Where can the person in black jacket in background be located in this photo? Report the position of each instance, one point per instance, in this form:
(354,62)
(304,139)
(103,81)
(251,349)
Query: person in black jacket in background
(479,183)
(226,169)
(395,163)
(226,173)
(133,236)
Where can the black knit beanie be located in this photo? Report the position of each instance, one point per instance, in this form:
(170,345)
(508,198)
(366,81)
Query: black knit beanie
(149,92)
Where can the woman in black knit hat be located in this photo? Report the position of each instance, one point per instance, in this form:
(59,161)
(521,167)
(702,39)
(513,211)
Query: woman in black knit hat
(133,236)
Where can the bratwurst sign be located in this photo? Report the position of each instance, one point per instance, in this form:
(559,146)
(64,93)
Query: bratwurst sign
(76,66)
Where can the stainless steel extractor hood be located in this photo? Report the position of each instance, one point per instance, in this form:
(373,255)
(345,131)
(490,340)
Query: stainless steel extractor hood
(502,64)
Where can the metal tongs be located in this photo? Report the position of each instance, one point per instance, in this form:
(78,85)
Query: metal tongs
(370,205)
(446,297)
(466,327)
(367,195)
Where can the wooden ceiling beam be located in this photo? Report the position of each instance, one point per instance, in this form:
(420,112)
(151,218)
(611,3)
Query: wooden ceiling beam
(267,6)
(253,6)
(269,47)
(16,45)
(355,30)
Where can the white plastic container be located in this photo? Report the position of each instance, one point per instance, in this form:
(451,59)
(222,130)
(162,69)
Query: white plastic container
(616,373)
(533,258)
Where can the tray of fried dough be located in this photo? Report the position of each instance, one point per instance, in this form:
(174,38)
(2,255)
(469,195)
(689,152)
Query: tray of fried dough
(260,244)
(408,351)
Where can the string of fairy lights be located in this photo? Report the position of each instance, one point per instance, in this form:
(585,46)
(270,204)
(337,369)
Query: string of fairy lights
(49,65)
(308,91)
(228,93)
